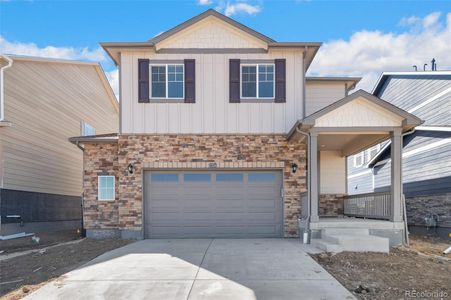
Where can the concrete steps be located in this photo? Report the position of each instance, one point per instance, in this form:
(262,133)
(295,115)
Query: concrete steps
(350,239)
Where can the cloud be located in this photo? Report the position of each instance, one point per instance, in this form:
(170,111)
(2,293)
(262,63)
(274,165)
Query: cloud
(113,78)
(31,49)
(241,8)
(369,53)
(204,2)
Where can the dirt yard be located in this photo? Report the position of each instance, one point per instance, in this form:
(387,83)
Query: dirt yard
(45,239)
(402,274)
(23,274)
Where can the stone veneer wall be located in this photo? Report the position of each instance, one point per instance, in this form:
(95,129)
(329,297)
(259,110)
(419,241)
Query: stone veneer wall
(422,206)
(147,152)
(99,159)
(331,205)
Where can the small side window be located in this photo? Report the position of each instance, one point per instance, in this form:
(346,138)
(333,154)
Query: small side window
(87,129)
(358,160)
(106,188)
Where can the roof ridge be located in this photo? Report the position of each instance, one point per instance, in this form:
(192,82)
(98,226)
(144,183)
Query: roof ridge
(203,15)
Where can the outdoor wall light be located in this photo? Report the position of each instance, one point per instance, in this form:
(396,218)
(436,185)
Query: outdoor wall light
(130,168)
(294,167)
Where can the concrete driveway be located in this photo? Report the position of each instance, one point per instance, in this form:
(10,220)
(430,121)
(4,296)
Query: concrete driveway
(199,269)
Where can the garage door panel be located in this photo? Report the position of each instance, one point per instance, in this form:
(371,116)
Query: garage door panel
(264,229)
(213,204)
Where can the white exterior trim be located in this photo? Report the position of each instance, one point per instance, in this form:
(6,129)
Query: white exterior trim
(2,86)
(166,82)
(419,150)
(433,128)
(98,187)
(362,155)
(368,152)
(435,97)
(256,65)
(418,73)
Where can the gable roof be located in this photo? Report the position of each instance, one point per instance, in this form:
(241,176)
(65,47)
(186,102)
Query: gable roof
(96,65)
(205,14)
(385,75)
(114,48)
(410,119)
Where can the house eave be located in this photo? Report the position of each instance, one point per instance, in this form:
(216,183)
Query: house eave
(95,139)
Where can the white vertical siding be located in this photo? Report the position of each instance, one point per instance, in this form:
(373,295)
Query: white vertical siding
(332,172)
(212,112)
(322,94)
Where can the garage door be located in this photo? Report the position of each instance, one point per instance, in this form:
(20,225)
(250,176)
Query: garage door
(213,204)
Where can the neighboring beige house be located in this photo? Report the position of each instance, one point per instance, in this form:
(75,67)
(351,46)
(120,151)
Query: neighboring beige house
(223,135)
(44,102)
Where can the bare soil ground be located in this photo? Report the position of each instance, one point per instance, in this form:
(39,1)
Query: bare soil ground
(397,275)
(21,275)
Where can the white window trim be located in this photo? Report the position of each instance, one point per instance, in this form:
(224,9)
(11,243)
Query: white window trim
(167,82)
(368,152)
(361,154)
(98,188)
(257,79)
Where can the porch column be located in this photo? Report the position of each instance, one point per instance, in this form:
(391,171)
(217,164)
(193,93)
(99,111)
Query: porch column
(396,175)
(313,165)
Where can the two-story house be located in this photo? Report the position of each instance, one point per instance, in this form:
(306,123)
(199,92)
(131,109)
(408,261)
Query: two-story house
(426,150)
(222,134)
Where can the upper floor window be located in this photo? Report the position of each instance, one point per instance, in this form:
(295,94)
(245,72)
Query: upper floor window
(87,129)
(257,81)
(358,159)
(371,152)
(167,81)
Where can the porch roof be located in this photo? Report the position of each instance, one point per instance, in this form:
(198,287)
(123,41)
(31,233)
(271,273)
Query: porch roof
(407,120)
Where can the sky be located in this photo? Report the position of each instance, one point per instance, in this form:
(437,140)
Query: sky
(360,38)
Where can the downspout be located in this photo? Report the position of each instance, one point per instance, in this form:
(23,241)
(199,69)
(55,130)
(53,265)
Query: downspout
(308,175)
(82,204)
(2,86)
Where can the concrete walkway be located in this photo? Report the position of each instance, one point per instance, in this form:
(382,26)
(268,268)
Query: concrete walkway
(199,269)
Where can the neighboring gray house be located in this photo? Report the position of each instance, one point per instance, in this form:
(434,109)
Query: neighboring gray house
(426,150)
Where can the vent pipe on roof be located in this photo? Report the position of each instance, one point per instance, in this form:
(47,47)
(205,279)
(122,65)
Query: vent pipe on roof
(415,67)
(424,67)
(434,66)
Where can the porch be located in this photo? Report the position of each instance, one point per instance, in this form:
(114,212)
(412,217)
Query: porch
(366,222)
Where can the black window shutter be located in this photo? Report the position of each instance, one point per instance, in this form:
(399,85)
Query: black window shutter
(234,81)
(190,81)
(143,80)
(280,95)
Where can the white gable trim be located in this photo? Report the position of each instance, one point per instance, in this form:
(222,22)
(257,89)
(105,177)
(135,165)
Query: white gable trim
(211,32)
(359,113)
